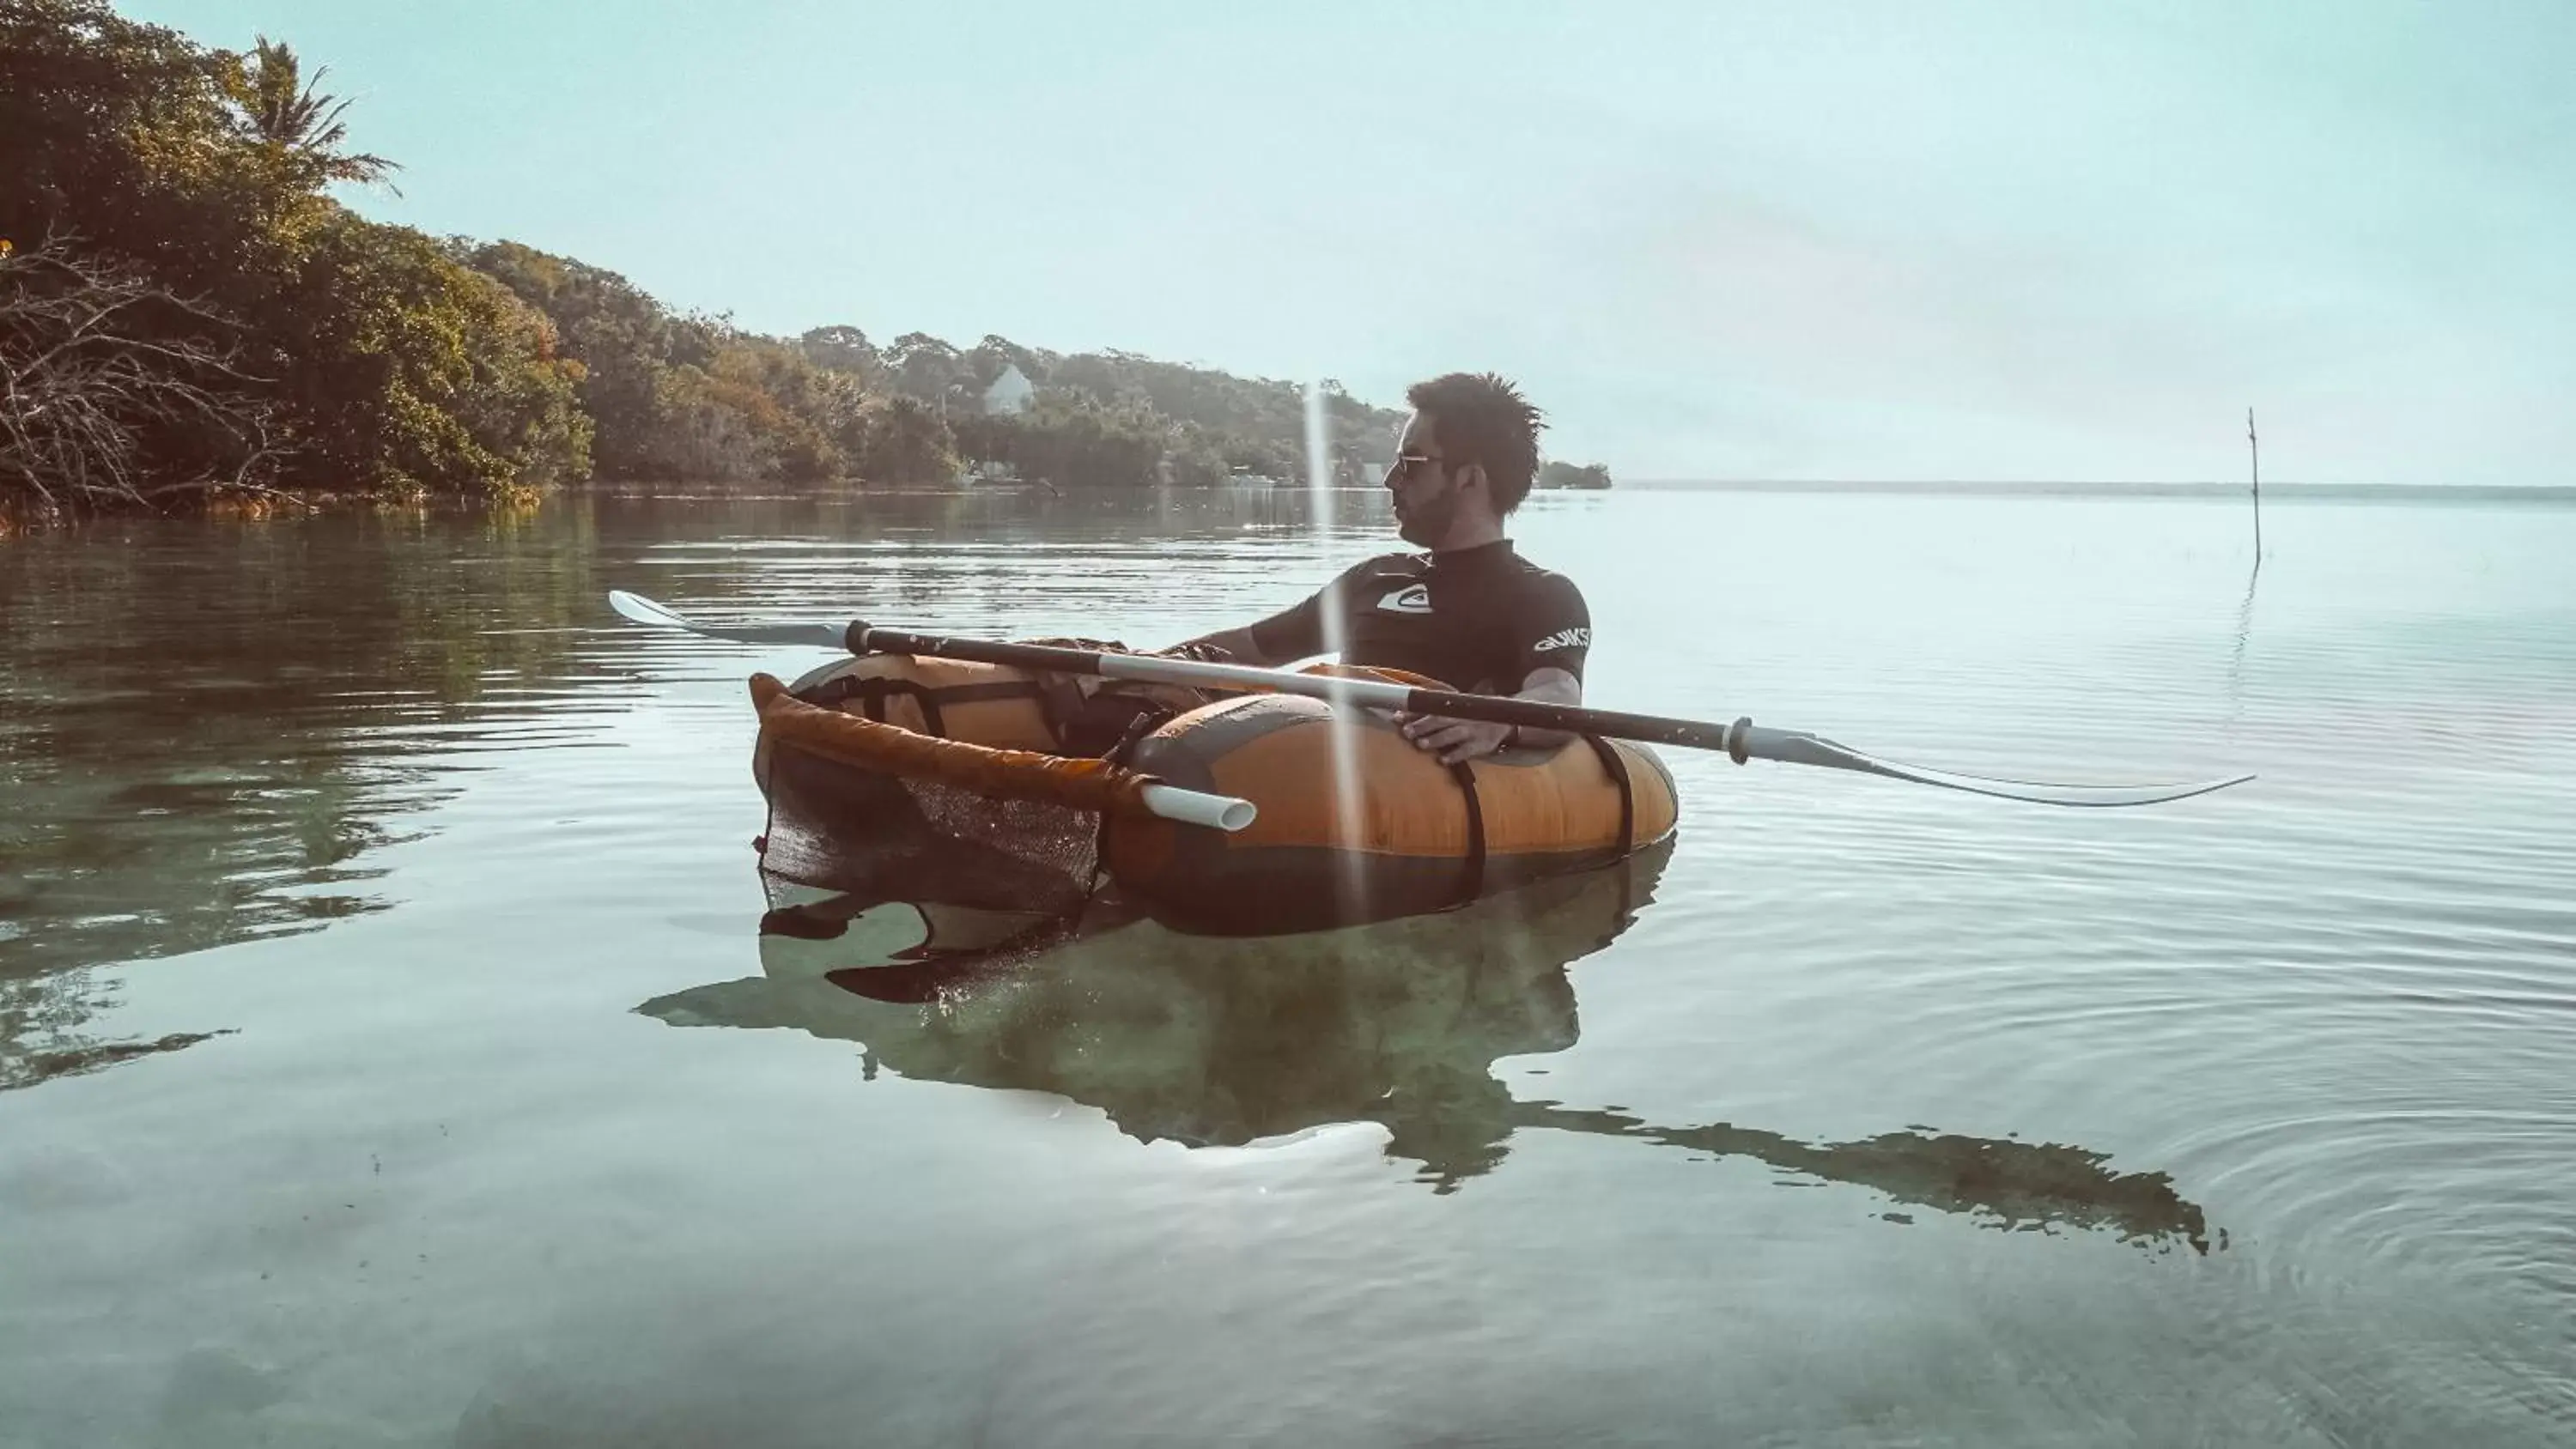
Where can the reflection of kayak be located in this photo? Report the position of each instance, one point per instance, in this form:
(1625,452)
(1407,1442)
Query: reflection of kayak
(1200,1040)
(1221,1042)
(1021,809)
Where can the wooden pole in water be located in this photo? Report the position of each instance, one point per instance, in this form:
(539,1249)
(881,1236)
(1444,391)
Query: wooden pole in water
(2255,446)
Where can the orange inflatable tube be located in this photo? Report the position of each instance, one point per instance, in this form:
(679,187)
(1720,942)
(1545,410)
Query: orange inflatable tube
(1355,824)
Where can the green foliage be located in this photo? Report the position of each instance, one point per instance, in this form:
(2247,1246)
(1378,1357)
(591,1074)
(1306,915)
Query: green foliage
(900,441)
(1197,458)
(756,410)
(264,87)
(624,341)
(1566,475)
(1258,425)
(996,353)
(687,397)
(122,135)
(1069,440)
(393,364)
(921,366)
(414,374)
(843,348)
(387,366)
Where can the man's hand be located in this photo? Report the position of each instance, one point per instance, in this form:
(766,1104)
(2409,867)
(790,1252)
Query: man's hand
(1230,646)
(1453,740)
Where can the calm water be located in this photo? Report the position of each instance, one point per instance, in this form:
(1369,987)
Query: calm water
(392,1057)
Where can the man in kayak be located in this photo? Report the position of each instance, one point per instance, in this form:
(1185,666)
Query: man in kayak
(1471,612)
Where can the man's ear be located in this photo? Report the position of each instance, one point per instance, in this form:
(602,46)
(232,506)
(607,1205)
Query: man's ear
(1474,473)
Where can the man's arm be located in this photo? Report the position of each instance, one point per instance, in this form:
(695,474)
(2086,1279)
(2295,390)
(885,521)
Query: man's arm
(1456,740)
(1294,633)
(1238,645)
(1548,686)
(1559,628)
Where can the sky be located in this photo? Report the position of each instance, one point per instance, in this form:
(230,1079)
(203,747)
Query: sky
(2039,241)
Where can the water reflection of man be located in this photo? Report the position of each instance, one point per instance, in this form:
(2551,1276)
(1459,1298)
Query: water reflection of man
(1470,612)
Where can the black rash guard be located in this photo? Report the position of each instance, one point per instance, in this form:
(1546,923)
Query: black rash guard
(1478,619)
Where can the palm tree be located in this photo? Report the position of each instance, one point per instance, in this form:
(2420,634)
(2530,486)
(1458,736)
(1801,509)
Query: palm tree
(280,109)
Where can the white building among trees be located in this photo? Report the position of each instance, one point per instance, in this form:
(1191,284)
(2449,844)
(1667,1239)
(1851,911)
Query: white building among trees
(1011,393)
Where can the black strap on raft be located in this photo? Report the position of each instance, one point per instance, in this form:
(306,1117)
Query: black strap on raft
(1086,725)
(1144,723)
(873,692)
(1618,770)
(1109,723)
(1473,884)
(1060,700)
(1117,754)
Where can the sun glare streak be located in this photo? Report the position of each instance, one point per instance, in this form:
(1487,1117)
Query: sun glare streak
(1319,494)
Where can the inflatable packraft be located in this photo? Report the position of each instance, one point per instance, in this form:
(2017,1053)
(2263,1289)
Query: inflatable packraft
(998,788)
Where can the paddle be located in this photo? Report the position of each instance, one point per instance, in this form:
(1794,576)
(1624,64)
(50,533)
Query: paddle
(1741,741)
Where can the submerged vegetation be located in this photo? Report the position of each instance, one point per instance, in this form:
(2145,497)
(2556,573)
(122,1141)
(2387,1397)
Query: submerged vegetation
(188,318)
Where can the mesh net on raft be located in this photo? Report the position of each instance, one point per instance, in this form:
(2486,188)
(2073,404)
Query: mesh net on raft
(898,837)
(882,814)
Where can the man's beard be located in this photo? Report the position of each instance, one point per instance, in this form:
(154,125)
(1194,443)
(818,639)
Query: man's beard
(1428,523)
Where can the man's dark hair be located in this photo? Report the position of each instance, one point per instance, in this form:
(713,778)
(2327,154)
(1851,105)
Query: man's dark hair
(1481,418)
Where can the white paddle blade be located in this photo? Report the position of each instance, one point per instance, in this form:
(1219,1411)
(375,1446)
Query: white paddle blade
(1790,747)
(645,611)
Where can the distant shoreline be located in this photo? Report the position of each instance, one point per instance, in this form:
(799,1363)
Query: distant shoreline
(2382,492)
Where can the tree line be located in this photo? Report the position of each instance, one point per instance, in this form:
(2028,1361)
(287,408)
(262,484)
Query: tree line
(187,314)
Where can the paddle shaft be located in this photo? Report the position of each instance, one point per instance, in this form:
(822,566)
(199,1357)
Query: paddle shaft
(1741,740)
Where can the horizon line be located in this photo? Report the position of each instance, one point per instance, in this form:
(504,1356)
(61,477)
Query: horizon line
(2191,487)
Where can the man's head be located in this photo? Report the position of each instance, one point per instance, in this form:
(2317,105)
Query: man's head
(1465,461)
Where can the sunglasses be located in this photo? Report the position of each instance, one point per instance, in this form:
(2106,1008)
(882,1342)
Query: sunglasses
(1407,464)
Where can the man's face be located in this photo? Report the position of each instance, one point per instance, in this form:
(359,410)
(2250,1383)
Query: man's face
(1423,484)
